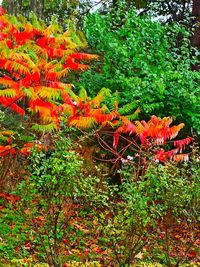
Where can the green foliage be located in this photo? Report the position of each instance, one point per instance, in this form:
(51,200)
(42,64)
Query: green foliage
(120,221)
(47,198)
(132,216)
(13,234)
(147,62)
(61,194)
(44,9)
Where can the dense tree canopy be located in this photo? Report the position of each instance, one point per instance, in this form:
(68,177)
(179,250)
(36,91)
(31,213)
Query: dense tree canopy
(147,62)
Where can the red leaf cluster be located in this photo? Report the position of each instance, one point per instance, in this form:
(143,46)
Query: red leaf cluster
(36,73)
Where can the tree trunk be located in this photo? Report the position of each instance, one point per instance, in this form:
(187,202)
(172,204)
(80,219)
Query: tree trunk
(37,7)
(12,7)
(196,22)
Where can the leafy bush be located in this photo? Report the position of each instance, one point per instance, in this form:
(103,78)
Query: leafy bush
(145,61)
(144,220)
(148,219)
(45,205)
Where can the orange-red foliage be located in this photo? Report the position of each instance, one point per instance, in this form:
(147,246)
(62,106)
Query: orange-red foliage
(34,63)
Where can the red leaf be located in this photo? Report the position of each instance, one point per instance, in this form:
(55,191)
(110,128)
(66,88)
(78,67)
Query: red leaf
(9,43)
(181,157)
(70,63)
(115,139)
(2,11)
(10,102)
(5,150)
(2,36)
(2,24)
(161,155)
(182,143)
(191,254)
(83,56)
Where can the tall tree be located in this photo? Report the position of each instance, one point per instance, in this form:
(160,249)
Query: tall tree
(64,9)
(196,22)
(37,7)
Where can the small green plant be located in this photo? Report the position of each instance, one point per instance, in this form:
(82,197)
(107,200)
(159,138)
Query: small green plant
(47,196)
(13,232)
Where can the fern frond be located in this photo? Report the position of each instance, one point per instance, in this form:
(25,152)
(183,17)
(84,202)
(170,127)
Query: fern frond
(174,130)
(71,64)
(39,51)
(34,21)
(76,36)
(49,93)
(181,157)
(139,127)
(61,74)
(55,52)
(82,122)
(11,103)
(83,94)
(5,150)
(106,117)
(23,58)
(45,127)
(96,112)
(68,110)
(13,66)
(180,144)
(33,56)
(6,135)
(82,39)
(59,85)
(9,133)
(21,19)
(13,20)
(83,56)
(4,50)
(73,96)
(133,116)
(101,96)
(8,92)
(8,83)
(52,65)
(126,109)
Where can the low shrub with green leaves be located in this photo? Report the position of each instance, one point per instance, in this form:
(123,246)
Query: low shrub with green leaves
(65,217)
(38,220)
(48,195)
(148,219)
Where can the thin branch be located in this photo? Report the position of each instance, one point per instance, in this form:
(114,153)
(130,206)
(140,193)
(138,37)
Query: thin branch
(91,7)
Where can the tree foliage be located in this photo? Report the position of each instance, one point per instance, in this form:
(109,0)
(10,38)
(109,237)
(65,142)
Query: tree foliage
(147,62)
(35,60)
(43,9)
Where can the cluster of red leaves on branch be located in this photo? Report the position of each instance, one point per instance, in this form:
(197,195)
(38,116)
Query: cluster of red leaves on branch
(140,142)
(11,149)
(155,134)
(33,63)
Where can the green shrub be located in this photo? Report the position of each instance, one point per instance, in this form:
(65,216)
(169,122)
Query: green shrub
(146,61)
(48,195)
(131,217)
